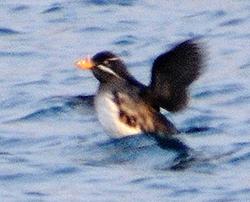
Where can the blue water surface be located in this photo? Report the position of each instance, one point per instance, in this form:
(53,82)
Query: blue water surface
(52,147)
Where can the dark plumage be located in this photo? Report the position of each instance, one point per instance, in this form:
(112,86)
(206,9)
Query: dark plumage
(173,72)
(133,107)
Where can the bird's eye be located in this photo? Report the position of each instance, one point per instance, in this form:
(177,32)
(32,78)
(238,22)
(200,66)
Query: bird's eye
(106,62)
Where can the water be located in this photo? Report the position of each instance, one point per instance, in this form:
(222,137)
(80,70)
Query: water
(52,147)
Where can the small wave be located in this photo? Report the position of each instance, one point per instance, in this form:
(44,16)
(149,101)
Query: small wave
(198,129)
(92,29)
(125,40)
(211,14)
(219,13)
(245,66)
(213,91)
(232,22)
(8,31)
(128,22)
(3,153)
(60,105)
(65,170)
(20,176)
(15,54)
(58,20)
(197,14)
(240,159)
(8,177)
(10,141)
(20,8)
(202,121)
(36,193)
(43,113)
(37,82)
(53,8)
(73,101)
(110,2)
(243,99)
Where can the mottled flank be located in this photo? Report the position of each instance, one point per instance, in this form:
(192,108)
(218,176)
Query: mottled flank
(134,112)
(128,119)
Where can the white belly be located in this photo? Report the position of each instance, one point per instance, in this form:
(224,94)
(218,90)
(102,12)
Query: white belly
(108,115)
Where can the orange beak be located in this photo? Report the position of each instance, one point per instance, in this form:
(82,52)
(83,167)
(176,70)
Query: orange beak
(86,63)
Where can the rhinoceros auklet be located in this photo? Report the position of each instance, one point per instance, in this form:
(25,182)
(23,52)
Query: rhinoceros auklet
(125,106)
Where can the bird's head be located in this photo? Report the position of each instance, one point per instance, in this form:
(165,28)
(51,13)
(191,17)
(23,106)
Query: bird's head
(105,65)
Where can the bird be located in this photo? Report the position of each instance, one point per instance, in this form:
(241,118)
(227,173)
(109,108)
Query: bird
(127,107)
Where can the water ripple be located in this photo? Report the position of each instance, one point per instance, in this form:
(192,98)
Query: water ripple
(125,40)
(128,22)
(53,8)
(60,105)
(219,90)
(16,54)
(20,8)
(7,31)
(199,129)
(10,141)
(186,191)
(36,193)
(44,113)
(242,99)
(245,66)
(111,2)
(92,29)
(233,22)
(8,177)
(243,158)
(140,180)
(203,120)
(65,170)
(213,14)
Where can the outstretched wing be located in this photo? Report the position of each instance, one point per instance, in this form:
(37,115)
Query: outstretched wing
(173,72)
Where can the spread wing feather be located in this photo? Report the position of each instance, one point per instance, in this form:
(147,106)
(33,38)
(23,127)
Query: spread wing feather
(173,72)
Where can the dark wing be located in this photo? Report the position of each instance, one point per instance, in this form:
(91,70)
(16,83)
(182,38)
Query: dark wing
(173,72)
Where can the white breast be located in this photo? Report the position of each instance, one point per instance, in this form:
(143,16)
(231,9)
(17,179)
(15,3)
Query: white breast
(108,115)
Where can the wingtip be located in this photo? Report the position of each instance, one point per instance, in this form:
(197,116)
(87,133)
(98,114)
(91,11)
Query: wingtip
(174,71)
